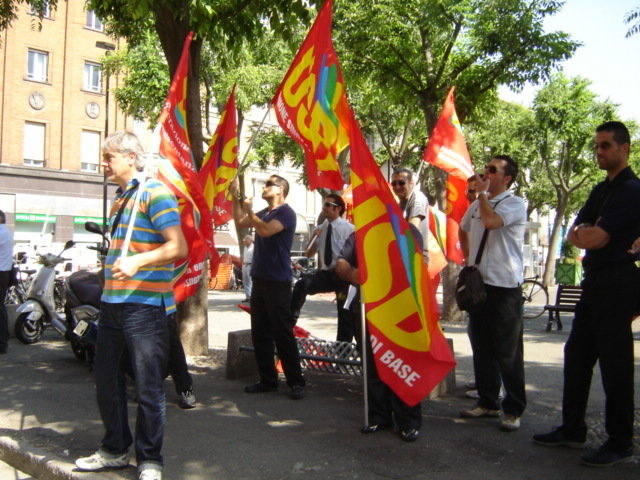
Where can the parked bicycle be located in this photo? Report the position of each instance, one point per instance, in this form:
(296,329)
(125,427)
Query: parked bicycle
(534,297)
(17,293)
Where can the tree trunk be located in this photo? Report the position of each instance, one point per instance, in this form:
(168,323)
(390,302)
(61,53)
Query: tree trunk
(550,265)
(192,313)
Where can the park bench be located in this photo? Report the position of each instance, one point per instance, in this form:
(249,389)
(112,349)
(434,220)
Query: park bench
(566,299)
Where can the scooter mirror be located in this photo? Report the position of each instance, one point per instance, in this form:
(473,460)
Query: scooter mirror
(92,227)
(69,244)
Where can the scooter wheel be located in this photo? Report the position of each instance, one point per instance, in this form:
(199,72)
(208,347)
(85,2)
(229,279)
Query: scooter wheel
(28,331)
(82,350)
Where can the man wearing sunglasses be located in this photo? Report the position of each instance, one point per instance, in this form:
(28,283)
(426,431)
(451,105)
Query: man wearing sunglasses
(413,203)
(331,236)
(271,287)
(608,228)
(495,328)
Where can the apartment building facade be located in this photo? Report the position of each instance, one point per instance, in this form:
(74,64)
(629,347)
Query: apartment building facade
(53,117)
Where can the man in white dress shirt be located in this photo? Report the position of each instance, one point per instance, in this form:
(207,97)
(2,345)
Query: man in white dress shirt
(331,236)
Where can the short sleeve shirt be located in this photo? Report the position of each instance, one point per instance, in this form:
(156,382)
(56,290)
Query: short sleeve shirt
(501,264)
(418,206)
(272,255)
(151,285)
(615,207)
(6,248)
(341,229)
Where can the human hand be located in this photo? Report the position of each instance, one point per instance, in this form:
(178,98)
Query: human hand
(482,183)
(125,268)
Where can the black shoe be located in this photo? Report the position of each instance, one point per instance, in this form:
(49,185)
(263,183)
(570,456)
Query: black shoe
(260,387)
(409,435)
(186,399)
(557,438)
(297,392)
(606,457)
(376,427)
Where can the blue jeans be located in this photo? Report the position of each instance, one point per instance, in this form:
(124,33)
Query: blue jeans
(143,331)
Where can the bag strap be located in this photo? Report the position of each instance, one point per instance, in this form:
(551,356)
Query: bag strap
(485,234)
(127,197)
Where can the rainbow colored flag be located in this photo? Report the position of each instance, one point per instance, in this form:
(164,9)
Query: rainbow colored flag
(448,150)
(410,351)
(220,164)
(176,168)
(311,104)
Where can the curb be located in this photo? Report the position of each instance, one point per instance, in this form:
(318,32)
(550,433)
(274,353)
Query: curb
(43,465)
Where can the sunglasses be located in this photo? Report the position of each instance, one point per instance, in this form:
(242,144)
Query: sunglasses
(271,183)
(491,169)
(401,183)
(330,204)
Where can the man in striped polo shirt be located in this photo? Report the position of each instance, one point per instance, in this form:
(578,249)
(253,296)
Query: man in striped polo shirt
(136,300)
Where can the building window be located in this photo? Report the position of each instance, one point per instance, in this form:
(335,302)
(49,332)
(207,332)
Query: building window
(38,66)
(89,151)
(93,22)
(92,76)
(45,10)
(34,139)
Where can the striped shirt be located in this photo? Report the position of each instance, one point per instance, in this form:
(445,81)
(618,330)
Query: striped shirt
(157,210)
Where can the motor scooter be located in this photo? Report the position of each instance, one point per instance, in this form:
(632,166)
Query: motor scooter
(83,290)
(41,309)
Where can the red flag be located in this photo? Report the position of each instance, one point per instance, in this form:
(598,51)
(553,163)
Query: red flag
(448,151)
(311,105)
(410,351)
(220,164)
(177,171)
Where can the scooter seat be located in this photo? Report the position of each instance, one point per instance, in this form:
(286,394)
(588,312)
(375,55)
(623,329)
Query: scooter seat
(84,288)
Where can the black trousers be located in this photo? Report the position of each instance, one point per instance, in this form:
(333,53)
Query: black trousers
(4,319)
(323,281)
(177,365)
(602,331)
(271,323)
(496,339)
(384,405)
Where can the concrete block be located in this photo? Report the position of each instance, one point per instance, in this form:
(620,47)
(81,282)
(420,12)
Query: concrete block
(240,363)
(448,384)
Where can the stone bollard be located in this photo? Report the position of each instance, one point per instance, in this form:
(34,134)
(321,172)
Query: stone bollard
(240,363)
(448,384)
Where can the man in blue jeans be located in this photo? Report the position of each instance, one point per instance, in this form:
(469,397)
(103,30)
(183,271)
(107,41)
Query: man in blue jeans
(136,300)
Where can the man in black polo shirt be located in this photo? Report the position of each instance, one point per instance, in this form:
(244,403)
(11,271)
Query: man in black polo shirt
(606,228)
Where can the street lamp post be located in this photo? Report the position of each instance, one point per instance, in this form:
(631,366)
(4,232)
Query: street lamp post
(108,47)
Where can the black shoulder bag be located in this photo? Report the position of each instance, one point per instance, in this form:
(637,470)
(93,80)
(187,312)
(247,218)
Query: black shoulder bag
(470,290)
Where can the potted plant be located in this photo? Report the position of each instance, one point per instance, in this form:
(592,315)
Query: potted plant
(569,266)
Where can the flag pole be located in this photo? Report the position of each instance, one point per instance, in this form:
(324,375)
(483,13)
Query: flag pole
(365,387)
(253,138)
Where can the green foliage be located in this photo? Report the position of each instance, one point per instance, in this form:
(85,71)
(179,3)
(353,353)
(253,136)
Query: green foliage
(271,147)
(569,252)
(146,74)
(632,17)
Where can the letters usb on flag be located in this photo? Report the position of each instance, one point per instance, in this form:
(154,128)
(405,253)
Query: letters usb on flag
(220,164)
(447,150)
(176,168)
(311,105)
(410,351)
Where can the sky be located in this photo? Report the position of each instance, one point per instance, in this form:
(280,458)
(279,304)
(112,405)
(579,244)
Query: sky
(609,60)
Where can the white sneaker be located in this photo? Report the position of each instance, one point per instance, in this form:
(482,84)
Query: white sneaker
(510,423)
(100,460)
(150,474)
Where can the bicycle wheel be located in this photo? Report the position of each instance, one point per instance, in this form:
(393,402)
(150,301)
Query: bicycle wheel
(534,297)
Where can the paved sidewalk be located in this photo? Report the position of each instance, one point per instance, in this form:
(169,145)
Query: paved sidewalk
(49,417)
